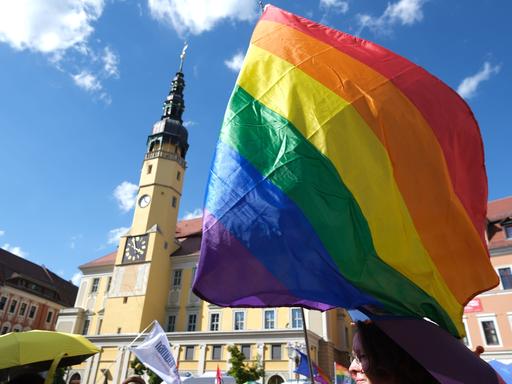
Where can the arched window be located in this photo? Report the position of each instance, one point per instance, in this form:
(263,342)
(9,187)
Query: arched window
(276,379)
(5,328)
(75,379)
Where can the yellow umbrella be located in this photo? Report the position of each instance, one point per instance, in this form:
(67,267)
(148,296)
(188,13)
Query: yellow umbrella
(41,351)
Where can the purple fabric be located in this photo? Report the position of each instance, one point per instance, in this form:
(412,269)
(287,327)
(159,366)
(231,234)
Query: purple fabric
(259,288)
(444,356)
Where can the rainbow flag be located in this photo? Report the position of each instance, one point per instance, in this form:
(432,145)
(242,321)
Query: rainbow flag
(342,375)
(344,176)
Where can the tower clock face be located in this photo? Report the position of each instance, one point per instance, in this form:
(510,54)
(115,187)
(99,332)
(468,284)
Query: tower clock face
(144,201)
(135,249)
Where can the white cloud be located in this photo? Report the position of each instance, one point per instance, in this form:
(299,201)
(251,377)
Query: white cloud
(2,232)
(236,62)
(337,6)
(87,81)
(15,249)
(115,234)
(468,87)
(189,123)
(198,212)
(404,12)
(110,63)
(198,16)
(125,194)
(76,278)
(48,26)
(61,30)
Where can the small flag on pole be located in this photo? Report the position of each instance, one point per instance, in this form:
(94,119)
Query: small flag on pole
(219,376)
(303,369)
(155,353)
(342,375)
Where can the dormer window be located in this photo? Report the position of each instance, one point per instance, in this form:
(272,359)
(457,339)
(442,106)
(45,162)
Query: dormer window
(507,227)
(505,277)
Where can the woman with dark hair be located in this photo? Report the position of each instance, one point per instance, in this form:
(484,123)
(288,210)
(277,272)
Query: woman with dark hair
(377,359)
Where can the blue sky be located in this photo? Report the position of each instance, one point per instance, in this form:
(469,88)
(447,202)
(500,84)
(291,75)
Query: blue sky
(82,82)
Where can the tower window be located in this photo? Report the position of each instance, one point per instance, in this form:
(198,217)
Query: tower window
(174,200)
(95,283)
(176,281)
(150,168)
(125,300)
(178,175)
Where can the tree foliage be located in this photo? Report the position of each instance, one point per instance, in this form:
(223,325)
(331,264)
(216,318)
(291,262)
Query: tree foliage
(242,371)
(140,369)
(59,375)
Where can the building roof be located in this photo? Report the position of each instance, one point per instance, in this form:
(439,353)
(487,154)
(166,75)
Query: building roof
(188,234)
(500,209)
(104,260)
(15,270)
(498,212)
(186,228)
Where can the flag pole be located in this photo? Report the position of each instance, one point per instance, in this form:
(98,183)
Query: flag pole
(310,362)
(140,334)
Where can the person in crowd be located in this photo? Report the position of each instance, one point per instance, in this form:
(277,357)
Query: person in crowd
(479,350)
(134,380)
(377,359)
(27,378)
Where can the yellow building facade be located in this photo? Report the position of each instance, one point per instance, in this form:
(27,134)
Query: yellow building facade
(150,277)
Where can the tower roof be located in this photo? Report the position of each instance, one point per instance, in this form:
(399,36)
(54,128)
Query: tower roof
(171,121)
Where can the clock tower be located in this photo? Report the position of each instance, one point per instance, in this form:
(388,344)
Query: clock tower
(141,277)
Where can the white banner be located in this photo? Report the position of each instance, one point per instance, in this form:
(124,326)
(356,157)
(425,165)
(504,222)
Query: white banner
(155,354)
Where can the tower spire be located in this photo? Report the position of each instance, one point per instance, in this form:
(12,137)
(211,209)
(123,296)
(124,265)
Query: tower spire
(182,56)
(174,104)
(169,130)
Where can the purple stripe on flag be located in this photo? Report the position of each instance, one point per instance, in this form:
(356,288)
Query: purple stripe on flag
(251,286)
